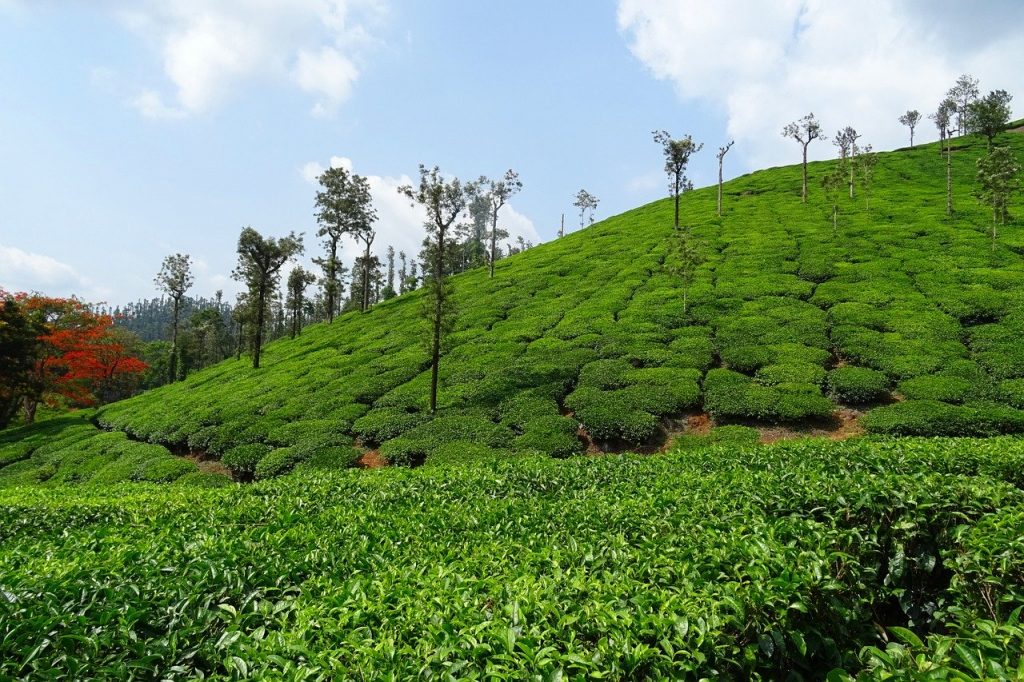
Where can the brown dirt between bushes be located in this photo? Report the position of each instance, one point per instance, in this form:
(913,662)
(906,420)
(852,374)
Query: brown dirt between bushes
(372,460)
(207,465)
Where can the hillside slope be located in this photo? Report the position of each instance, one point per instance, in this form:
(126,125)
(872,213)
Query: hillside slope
(787,320)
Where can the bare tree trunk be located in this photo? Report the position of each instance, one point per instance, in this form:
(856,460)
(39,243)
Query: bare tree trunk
(803,193)
(494,237)
(366,276)
(172,365)
(676,223)
(332,278)
(561,230)
(30,406)
(435,351)
(719,187)
(238,345)
(949,180)
(257,344)
(911,137)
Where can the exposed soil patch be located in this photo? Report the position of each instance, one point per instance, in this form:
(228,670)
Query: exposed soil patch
(372,460)
(844,423)
(207,464)
(699,424)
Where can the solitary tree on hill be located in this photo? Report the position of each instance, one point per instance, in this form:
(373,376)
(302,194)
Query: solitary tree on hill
(943,119)
(174,279)
(989,115)
(804,131)
(677,155)
(586,203)
(259,268)
(298,280)
(443,201)
(846,141)
(999,178)
(683,260)
(344,206)
(911,119)
(722,151)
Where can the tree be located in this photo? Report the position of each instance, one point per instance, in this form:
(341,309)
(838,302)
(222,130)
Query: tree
(943,118)
(389,290)
(722,151)
(585,202)
(866,162)
(402,272)
(344,205)
(443,201)
(259,267)
(683,260)
(999,178)
(497,193)
(962,94)
(911,119)
(79,357)
(366,235)
(804,131)
(989,115)
(174,279)
(846,141)
(677,155)
(298,279)
(19,344)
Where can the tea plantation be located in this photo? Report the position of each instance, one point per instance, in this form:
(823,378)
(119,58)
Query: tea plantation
(126,551)
(879,558)
(899,310)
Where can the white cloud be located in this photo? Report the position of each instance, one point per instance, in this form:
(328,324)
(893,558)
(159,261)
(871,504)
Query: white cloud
(400,223)
(859,64)
(27,271)
(209,47)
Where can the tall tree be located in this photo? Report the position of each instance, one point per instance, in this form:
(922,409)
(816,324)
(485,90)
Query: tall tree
(722,151)
(174,279)
(585,203)
(391,269)
(260,260)
(911,119)
(344,205)
(366,235)
(943,118)
(677,155)
(402,272)
(963,93)
(999,178)
(989,115)
(846,141)
(443,201)
(497,194)
(804,131)
(298,279)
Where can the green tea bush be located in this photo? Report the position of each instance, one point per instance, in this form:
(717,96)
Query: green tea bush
(278,462)
(729,394)
(945,388)
(243,459)
(932,418)
(803,373)
(384,423)
(204,479)
(857,385)
(553,435)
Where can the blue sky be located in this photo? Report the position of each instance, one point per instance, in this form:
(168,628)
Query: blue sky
(130,130)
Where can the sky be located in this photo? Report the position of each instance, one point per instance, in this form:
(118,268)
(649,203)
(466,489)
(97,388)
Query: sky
(134,129)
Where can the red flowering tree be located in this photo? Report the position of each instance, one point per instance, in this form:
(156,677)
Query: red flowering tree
(79,357)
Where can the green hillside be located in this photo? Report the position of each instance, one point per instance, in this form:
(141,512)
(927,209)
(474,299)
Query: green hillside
(787,321)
